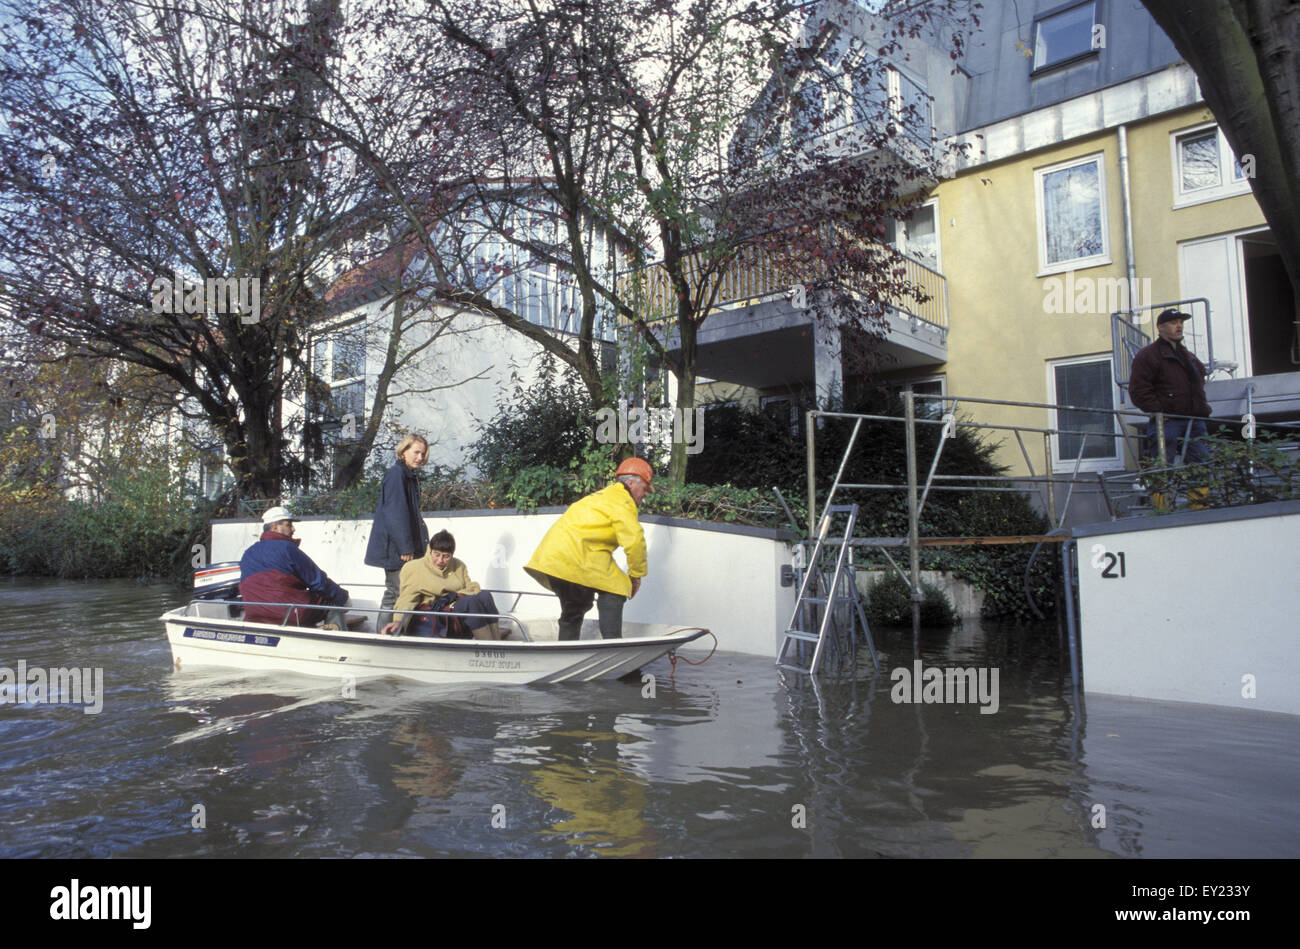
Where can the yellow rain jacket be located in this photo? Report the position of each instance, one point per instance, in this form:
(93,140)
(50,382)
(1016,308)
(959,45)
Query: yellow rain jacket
(579,546)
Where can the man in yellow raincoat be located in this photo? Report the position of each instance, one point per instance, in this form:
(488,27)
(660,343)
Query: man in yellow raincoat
(575,559)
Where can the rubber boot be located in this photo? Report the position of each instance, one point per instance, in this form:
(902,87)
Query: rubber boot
(609,606)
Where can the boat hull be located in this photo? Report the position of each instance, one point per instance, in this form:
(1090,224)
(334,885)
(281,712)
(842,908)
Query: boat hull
(199,641)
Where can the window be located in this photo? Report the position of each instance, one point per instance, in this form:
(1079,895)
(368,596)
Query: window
(539,290)
(809,112)
(916,236)
(923,385)
(1205,168)
(930,408)
(1071,199)
(781,409)
(914,109)
(869,93)
(1064,35)
(339,367)
(1083,384)
(211,474)
(870,83)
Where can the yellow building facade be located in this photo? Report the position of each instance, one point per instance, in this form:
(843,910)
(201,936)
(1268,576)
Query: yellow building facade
(1020,320)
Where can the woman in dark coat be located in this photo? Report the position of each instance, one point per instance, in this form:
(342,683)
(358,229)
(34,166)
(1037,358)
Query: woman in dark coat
(398,533)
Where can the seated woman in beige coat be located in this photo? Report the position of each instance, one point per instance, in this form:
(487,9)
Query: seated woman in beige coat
(440,583)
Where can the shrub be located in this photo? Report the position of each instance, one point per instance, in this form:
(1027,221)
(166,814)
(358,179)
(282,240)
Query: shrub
(1237,472)
(135,529)
(999,571)
(889,603)
(548,424)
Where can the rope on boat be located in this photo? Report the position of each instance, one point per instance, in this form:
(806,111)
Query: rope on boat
(672,653)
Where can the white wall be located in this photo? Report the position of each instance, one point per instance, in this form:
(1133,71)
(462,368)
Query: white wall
(449,388)
(726,579)
(1203,602)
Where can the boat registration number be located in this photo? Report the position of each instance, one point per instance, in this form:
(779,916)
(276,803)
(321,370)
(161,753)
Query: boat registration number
(493,659)
(222,636)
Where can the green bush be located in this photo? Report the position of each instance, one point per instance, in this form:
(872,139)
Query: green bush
(999,570)
(135,529)
(547,425)
(1237,472)
(889,603)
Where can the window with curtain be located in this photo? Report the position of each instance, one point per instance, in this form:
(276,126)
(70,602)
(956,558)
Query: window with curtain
(1072,214)
(1205,168)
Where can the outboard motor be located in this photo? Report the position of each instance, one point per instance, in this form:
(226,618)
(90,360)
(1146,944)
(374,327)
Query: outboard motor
(218,581)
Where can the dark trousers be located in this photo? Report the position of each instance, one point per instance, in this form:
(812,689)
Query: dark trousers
(301,617)
(392,586)
(461,628)
(1178,440)
(575,603)
(480,602)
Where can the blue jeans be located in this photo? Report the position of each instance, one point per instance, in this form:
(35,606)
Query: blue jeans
(1194,451)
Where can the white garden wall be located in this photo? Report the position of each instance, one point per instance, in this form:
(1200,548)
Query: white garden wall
(1200,606)
(719,576)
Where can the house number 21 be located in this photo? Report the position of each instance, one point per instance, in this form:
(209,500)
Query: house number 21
(1110,564)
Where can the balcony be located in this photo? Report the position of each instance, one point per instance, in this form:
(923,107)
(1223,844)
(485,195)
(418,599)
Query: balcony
(759,331)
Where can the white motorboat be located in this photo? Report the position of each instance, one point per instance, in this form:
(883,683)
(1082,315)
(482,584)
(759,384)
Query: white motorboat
(212,632)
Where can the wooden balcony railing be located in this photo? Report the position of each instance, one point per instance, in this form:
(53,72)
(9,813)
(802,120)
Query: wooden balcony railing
(754,277)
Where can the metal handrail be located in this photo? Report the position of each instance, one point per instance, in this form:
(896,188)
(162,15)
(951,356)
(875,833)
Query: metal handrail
(1123,331)
(1123,418)
(523,630)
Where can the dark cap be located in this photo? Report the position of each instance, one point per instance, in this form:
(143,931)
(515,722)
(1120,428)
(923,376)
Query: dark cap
(1170,315)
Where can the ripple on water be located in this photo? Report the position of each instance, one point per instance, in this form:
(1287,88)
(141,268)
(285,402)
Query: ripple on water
(730,758)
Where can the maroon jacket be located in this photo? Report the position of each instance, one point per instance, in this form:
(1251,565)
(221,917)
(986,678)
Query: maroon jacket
(1161,382)
(274,570)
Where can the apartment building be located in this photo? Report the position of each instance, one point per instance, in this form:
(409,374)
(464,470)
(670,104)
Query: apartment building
(1093,188)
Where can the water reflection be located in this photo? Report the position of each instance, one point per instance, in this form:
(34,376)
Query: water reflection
(601,801)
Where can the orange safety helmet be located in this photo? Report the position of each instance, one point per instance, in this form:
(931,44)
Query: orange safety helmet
(636,466)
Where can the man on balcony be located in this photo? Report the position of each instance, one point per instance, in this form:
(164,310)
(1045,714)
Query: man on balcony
(1167,378)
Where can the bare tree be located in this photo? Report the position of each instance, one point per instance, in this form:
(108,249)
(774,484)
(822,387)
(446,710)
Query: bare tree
(156,164)
(681,139)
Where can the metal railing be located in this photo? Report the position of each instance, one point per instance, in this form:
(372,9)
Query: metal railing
(751,275)
(1120,426)
(194,609)
(1127,338)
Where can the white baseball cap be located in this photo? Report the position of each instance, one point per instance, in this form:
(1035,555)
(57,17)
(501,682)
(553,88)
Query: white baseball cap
(276,515)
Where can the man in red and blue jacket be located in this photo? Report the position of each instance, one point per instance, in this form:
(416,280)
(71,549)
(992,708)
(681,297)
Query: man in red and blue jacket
(274,570)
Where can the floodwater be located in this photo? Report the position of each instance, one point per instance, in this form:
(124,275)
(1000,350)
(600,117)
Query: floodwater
(730,758)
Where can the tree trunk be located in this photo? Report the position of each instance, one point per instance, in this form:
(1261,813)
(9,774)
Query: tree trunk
(1244,53)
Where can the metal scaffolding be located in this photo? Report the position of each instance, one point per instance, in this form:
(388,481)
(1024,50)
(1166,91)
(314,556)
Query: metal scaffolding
(1116,488)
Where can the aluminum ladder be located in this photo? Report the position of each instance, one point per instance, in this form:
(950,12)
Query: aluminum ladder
(815,592)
